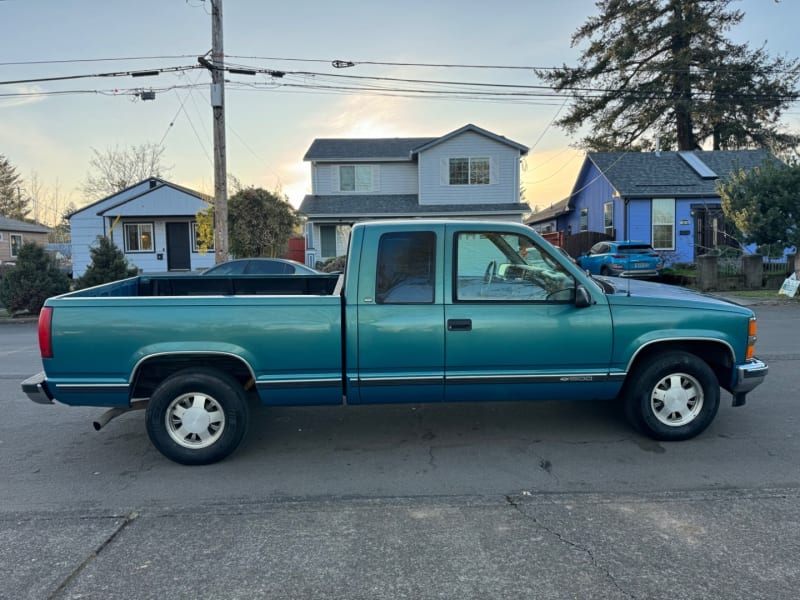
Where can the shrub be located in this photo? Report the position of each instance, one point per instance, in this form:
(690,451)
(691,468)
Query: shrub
(108,264)
(33,280)
(333,265)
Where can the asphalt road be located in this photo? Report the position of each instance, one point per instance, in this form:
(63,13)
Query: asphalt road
(544,500)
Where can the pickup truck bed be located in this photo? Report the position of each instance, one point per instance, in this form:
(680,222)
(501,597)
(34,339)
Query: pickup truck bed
(215,285)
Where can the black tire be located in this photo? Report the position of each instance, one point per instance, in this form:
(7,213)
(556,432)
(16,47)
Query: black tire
(217,420)
(671,396)
(605,271)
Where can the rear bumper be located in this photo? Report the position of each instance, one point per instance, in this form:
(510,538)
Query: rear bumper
(639,273)
(35,387)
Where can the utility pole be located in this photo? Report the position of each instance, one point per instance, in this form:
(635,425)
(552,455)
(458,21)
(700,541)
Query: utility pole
(220,160)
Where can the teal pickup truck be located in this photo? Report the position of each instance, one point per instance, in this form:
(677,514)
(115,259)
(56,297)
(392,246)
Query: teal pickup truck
(427,311)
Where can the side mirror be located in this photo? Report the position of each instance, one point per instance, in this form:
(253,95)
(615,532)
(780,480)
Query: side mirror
(582,297)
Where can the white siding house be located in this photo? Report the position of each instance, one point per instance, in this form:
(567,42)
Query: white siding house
(152,222)
(468,173)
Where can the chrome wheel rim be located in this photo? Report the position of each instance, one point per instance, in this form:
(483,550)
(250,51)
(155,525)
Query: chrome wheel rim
(195,420)
(677,399)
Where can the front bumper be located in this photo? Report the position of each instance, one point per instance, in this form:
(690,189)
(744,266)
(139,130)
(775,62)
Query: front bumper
(747,377)
(35,387)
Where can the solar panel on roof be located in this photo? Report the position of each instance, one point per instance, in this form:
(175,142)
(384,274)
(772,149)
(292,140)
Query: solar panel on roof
(701,168)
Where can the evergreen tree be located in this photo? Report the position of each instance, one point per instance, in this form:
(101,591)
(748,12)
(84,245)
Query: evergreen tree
(662,72)
(13,203)
(33,280)
(764,205)
(259,223)
(108,264)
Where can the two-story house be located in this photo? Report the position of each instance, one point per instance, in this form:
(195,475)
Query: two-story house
(668,199)
(469,173)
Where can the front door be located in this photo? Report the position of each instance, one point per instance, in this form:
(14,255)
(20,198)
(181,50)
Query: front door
(178,250)
(512,328)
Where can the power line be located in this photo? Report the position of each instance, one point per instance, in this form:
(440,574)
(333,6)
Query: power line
(92,60)
(136,73)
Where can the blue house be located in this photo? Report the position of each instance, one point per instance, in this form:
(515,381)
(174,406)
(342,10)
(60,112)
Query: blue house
(666,198)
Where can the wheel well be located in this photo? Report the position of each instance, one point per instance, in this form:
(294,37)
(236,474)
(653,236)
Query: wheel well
(715,354)
(150,373)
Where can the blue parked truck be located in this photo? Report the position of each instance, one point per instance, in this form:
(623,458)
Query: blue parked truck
(427,311)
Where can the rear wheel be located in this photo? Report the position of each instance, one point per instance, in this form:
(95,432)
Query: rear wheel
(672,396)
(197,416)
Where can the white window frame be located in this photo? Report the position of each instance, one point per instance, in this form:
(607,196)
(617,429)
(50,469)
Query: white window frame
(18,245)
(363,178)
(608,218)
(662,219)
(140,227)
(195,247)
(583,225)
(474,163)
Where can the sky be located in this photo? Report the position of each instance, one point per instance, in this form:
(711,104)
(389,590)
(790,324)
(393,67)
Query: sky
(272,122)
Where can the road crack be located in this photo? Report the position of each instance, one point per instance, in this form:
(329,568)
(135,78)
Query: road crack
(129,518)
(564,540)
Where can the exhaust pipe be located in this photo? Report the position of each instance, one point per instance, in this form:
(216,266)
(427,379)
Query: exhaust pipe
(113,413)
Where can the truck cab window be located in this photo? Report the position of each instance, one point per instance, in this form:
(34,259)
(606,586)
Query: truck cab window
(497,266)
(406,268)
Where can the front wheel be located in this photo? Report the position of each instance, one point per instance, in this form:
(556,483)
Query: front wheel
(197,416)
(672,396)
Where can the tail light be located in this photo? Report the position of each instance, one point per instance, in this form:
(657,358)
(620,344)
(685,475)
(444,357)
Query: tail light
(752,329)
(45,332)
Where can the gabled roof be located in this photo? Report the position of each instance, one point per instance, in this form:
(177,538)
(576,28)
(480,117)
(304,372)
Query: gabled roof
(155,183)
(363,149)
(396,205)
(671,174)
(551,212)
(7,224)
(475,129)
(390,149)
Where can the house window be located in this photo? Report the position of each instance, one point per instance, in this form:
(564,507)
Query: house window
(664,223)
(138,237)
(469,171)
(355,178)
(16,244)
(584,219)
(327,240)
(608,218)
(196,245)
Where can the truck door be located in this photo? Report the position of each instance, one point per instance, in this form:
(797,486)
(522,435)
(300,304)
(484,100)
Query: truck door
(400,317)
(512,328)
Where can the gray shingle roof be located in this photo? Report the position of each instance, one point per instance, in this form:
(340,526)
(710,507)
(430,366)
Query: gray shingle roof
(647,174)
(7,224)
(372,206)
(337,149)
(364,149)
